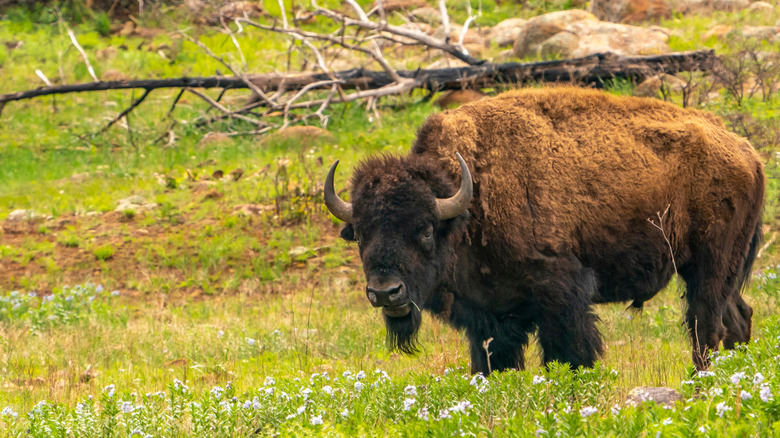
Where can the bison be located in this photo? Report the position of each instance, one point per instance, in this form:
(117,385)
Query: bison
(562,198)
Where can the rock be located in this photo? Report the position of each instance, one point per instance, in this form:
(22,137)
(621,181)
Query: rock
(660,395)
(446,62)
(135,203)
(300,133)
(427,15)
(113,75)
(630,11)
(650,87)
(762,8)
(542,27)
(719,31)
(456,98)
(587,35)
(213,194)
(22,215)
(398,5)
(214,138)
(730,5)
(472,36)
(760,33)
(506,32)
(251,209)
(236,174)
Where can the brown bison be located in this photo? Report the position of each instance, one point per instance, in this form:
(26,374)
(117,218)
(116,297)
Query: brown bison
(549,211)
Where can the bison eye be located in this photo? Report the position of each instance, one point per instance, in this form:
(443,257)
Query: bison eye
(426,237)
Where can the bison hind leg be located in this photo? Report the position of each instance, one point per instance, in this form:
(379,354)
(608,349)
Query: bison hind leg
(567,326)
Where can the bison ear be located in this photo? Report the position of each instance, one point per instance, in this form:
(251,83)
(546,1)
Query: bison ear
(348,233)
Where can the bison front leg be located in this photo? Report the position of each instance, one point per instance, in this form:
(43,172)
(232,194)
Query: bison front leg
(497,344)
(567,327)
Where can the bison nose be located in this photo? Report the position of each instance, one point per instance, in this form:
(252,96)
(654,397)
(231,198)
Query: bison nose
(388,293)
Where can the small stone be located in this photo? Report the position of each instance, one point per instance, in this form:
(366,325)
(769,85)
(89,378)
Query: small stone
(660,395)
(213,194)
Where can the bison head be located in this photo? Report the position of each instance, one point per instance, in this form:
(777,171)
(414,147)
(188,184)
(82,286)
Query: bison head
(406,222)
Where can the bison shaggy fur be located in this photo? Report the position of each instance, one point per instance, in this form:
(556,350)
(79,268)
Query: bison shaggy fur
(579,197)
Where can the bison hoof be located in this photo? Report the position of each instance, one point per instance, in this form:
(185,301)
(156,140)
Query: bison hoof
(397,311)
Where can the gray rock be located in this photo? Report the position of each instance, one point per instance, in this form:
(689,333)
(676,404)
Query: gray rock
(505,33)
(22,215)
(135,203)
(660,395)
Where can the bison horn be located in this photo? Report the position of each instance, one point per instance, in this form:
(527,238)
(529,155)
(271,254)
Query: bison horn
(339,208)
(449,208)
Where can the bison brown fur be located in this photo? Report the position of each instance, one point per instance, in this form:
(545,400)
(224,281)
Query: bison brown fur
(565,184)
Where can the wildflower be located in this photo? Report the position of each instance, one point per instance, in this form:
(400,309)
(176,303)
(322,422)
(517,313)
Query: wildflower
(721,408)
(301,409)
(667,422)
(283,395)
(316,420)
(135,432)
(445,414)
(269,391)
(290,417)
(615,409)
(247,404)
(32,294)
(736,377)
(360,375)
(250,341)
(410,390)
(688,382)
(327,390)
(758,378)
(269,381)
(346,374)
(306,392)
(115,293)
(359,386)
(744,395)
(705,374)
(408,403)
(461,407)
(587,411)
(538,379)
(99,288)
(702,429)
(8,412)
(716,392)
(765,393)
(256,404)
(220,333)
(345,412)
(477,380)
(127,407)
(109,390)
(178,384)
(216,392)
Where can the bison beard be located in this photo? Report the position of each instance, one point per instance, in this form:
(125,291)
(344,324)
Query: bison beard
(556,190)
(402,331)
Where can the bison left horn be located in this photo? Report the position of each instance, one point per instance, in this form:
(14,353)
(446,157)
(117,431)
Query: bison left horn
(339,208)
(448,208)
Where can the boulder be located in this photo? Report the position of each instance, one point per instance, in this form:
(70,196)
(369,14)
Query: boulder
(427,15)
(719,31)
(579,33)
(760,33)
(22,215)
(730,5)
(456,98)
(761,8)
(630,11)
(506,32)
(651,87)
(660,395)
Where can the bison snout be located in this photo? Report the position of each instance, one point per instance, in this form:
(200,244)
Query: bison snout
(387,293)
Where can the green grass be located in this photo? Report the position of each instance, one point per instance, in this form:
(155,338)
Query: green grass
(215,298)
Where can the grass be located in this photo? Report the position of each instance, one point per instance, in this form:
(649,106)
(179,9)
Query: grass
(213,296)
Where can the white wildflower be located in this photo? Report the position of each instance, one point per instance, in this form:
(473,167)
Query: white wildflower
(327,390)
(688,382)
(587,411)
(269,381)
(344,413)
(410,390)
(216,392)
(765,393)
(250,341)
(615,409)
(667,422)
(269,391)
(306,392)
(744,395)
(290,417)
(422,414)
(736,377)
(301,409)
(702,429)
(408,403)
(346,374)
(716,392)
(360,375)
(109,390)
(316,420)
(445,414)
(721,408)
(8,412)
(461,407)
(359,386)
(538,380)
(477,380)
(705,374)
(247,404)
(220,333)
(127,407)
(758,378)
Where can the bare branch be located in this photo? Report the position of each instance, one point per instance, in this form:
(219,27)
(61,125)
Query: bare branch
(231,114)
(78,46)
(445,20)
(126,111)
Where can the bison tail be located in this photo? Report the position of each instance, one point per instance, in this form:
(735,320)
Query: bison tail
(755,243)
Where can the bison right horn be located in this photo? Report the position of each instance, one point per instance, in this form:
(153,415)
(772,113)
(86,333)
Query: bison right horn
(339,208)
(448,208)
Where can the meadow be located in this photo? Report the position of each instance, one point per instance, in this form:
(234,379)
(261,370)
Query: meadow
(230,306)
